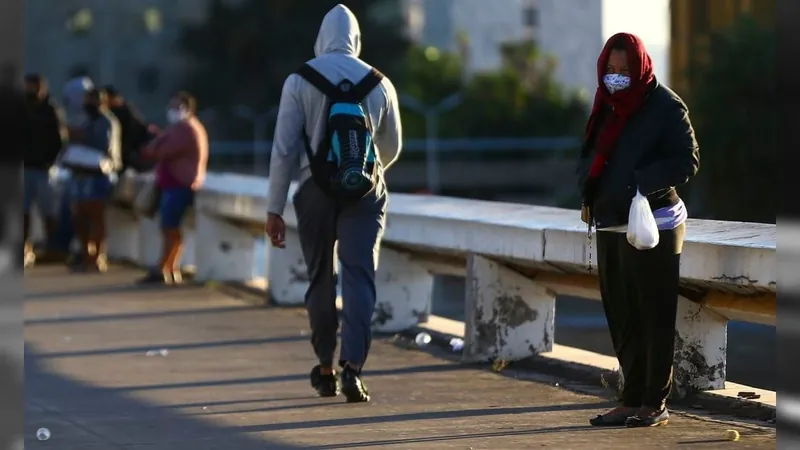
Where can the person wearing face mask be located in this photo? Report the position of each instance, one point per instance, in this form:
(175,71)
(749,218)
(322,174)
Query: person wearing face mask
(92,177)
(639,137)
(181,152)
(48,137)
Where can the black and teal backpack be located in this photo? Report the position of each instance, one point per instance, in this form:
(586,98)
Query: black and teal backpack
(345,165)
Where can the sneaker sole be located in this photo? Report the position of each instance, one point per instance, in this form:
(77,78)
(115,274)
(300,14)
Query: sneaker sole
(354,395)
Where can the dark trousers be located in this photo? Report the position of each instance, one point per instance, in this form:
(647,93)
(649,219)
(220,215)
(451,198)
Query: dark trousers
(639,289)
(357,229)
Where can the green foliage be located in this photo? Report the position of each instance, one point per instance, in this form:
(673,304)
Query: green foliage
(521,99)
(242,54)
(733,107)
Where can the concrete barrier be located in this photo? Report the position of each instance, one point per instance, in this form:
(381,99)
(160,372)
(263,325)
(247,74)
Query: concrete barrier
(515,259)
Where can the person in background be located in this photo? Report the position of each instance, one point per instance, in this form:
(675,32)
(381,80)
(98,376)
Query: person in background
(16,126)
(134,127)
(48,136)
(181,152)
(90,188)
(72,96)
(639,138)
(323,220)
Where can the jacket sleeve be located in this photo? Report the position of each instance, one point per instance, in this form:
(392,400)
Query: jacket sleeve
(98,134)
(582,169)
(287,145)
(389,137)
(681,154)
(58,133)
(115,142)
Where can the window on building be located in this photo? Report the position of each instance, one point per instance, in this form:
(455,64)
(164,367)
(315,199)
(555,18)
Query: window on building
(80,22)
(530,16)
(153,21)
(149,80)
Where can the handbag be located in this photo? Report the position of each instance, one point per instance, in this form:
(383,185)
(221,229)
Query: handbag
(82,157)
(147,200)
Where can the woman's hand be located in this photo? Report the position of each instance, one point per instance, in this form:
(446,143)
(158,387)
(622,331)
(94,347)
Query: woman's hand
(585,214)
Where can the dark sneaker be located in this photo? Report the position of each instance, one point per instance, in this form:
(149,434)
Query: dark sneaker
(615,418)
(325,385)
(155,279)
(352,387)
(656,419)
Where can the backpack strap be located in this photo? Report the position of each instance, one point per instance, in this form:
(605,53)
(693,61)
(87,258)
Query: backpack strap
(368,83)
(318,81)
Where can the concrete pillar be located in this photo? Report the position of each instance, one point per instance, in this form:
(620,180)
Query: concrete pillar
(222,250)
(286,271)
(404,291)
(150,242)
(701,337)
(123,235)
(508,315)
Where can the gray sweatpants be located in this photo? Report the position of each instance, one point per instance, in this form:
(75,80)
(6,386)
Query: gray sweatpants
(358,228)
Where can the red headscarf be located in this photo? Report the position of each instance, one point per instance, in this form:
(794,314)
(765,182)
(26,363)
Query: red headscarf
(623,103)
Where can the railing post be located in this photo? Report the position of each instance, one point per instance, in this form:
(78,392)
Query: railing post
(150,243)
(700,349)
(404,291)
(223,251)
(123,234)
(508,315)
(286,272)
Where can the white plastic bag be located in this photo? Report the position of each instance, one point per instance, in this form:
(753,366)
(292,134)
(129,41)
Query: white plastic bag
(642,228)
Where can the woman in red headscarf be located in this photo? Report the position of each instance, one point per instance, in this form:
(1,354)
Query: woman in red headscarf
(639,137)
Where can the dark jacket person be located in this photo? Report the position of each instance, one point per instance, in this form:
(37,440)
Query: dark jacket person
(48,134)
(133,127)
(638,137)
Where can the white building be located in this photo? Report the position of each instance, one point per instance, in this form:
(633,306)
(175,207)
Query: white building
(131,44)
(570,30)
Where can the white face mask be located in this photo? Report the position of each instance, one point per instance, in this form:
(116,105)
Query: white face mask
(176,115)
(615,82)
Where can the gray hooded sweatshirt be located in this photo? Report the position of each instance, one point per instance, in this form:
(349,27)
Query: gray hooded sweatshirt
(303,108)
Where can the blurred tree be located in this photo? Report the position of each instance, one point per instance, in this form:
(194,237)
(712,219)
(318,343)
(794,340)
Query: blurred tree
(243,52)
(733,97)
(523,98)
(429,76)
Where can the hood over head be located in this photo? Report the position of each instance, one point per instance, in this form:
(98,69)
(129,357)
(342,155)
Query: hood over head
(639,61)
(339,33)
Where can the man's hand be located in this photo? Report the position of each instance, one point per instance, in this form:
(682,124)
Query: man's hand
(276,230)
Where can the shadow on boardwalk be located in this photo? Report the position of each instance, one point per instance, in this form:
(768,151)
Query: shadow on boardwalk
(235,378)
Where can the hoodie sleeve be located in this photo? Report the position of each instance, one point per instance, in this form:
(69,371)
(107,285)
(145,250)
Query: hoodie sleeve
(681,159)
(287,146)
(390,134)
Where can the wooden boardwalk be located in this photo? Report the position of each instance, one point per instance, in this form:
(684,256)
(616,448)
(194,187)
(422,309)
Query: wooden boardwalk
(234,377)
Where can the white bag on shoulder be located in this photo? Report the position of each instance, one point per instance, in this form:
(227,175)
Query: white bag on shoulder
(642,227)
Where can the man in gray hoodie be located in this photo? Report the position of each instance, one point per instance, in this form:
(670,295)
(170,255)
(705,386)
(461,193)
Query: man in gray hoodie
(322,220)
